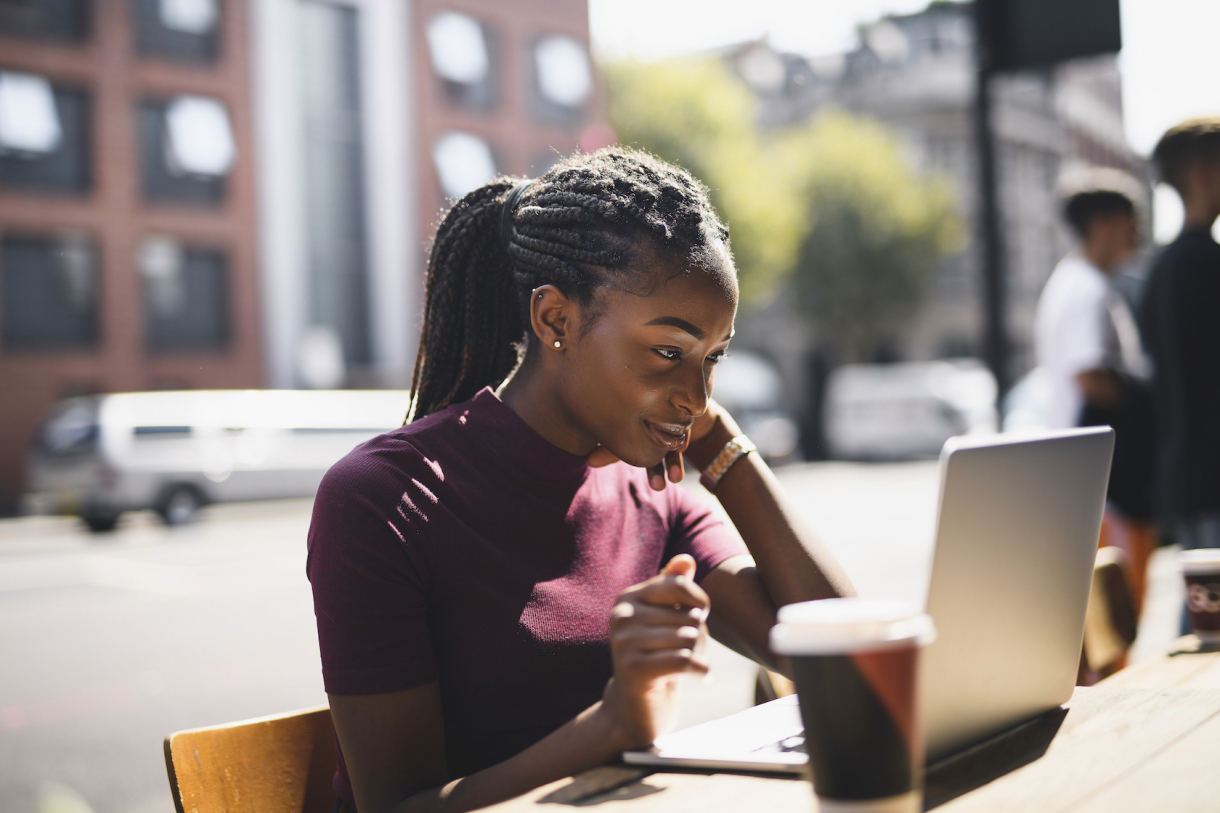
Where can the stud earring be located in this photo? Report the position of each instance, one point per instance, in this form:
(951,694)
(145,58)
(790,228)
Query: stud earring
(558,344)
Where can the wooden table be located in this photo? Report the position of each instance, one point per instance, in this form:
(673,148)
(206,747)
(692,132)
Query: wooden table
(1146,739)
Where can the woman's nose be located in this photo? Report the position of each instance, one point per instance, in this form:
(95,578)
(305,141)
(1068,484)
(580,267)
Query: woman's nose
(690,394)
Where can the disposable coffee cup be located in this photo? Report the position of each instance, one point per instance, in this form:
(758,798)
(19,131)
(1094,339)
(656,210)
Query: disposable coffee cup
(1201,569)
(856,664)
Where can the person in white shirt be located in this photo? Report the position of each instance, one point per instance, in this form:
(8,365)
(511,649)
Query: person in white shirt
(1086,339)
(1083,332)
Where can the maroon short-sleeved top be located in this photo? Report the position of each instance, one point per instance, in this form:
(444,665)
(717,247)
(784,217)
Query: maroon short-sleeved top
(466,549)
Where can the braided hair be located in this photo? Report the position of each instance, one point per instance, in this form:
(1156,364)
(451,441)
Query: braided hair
(582,226)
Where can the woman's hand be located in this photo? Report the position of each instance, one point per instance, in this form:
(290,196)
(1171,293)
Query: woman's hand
(657,634)
(708,435)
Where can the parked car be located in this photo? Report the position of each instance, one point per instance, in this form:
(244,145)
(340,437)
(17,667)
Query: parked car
(890,411)
(174,452)
(751,389)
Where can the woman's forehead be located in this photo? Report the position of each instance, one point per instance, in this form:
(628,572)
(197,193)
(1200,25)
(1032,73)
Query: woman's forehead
(694,297)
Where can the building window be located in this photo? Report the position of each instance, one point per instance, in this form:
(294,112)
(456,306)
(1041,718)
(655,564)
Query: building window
(460,49)
(563,79)
(186,298)
(62,20)
(183,30)
(463,163)
(187,149)
(49,292)
(336,224)
(44,135)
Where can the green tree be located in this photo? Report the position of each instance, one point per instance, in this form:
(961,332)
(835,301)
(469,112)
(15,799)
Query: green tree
(875,232)
(830,209)
(695,113)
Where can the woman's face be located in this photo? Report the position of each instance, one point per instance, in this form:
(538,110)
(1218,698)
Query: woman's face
(643,372)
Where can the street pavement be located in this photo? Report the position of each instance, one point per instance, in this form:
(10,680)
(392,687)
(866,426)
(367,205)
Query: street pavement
(110,642)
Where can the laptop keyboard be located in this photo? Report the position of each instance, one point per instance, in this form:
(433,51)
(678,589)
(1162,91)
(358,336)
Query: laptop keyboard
(795,743)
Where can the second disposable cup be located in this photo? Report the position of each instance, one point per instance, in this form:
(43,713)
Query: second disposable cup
(856,663)
(1201,569)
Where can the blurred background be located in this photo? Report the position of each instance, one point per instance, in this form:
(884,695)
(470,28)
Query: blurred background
(212,194)
(203,195)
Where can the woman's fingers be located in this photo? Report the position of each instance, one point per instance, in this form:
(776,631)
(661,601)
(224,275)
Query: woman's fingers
(674,585)
(643,651)
(651,638)
(681,565)
(657,627)
(679,593)
(656,476)
(651,615)
(670,467)
(673,464)
(652,664)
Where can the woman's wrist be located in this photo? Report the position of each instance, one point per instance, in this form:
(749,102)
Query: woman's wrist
(609,716)
(733,451)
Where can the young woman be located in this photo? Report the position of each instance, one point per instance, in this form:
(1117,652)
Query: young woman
(505,588)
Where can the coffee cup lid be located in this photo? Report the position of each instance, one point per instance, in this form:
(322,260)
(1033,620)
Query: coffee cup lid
(845,625)
(1197,561)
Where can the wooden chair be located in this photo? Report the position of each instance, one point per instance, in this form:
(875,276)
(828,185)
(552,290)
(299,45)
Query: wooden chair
(278,764)
(1111,621)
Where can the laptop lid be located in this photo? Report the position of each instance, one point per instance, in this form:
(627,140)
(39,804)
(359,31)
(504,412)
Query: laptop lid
(1017,531)
(1016,538)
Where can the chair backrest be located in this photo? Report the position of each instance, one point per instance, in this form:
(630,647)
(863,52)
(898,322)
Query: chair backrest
(278,764)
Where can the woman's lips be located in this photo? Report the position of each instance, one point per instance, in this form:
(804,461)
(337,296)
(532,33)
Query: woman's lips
(669,436)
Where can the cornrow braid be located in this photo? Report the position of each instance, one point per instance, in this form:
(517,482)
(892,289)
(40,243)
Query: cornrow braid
(581,226)
(470,306)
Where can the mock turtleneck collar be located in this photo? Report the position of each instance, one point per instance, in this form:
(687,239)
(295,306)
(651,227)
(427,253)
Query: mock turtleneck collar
(514,440)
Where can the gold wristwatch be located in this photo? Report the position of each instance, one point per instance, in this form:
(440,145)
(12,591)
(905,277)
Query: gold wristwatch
(735,449)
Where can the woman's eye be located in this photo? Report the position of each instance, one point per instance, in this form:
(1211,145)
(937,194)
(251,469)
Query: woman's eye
(667,353)
(716,358)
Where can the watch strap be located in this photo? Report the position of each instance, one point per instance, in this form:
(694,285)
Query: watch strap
(733,451)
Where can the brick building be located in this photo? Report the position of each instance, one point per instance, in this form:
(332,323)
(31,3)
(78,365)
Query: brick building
(239,193)
(428,99)
(127,244)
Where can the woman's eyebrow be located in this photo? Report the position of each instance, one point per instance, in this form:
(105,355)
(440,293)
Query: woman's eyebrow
(674,321)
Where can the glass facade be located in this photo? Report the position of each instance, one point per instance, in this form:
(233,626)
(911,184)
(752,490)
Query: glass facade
(563,79)
(48,292)
(463,53)
(160,179)
(58,20)
(186,297)
(335,219)
(63,166)
(181,30)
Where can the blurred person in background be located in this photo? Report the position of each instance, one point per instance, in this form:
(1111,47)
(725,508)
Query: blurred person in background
(505,589)
(1087,339)
(1181,324)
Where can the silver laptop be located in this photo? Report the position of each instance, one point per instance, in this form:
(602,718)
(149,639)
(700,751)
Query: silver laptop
(1016,538)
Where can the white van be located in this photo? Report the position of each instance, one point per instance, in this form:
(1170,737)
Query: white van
(98,456)
(894,411)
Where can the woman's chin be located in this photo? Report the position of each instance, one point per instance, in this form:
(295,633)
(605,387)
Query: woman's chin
(641,459)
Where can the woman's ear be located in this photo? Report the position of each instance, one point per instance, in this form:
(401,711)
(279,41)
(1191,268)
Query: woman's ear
(551,316)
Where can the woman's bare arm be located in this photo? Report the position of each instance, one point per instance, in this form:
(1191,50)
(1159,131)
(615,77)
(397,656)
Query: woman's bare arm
(394,747)
(394,744)
(787,562)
